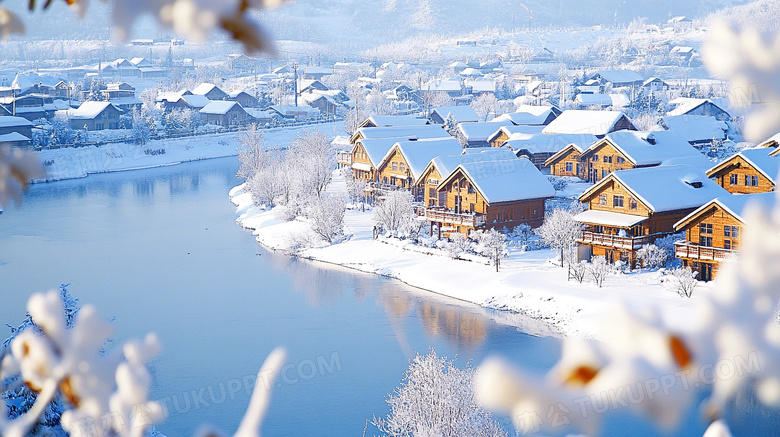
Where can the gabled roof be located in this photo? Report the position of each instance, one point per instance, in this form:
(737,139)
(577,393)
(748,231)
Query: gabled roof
(529,115)
(663,188)
(505,180)
(394,120)
(760,159)
(734,204)
(9,121)
(654,79)
(650,148)
(419,132)
(89,110)
(418,153)
(513,132)
(558,143)
(696,128)
(442,85)
(687,104)
(219,107)
(574,121)
(377,148)
(446,164)
(481,130)
(196,101)
(204,88)
(461,113)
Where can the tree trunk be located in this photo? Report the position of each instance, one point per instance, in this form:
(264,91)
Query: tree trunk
(562,263)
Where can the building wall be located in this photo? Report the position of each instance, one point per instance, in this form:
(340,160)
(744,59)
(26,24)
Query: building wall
(499,140)
(359,155)
(738,166)
(597,166)
(510,214)
(428,184)
(558,167)
(395,170)
(719,219)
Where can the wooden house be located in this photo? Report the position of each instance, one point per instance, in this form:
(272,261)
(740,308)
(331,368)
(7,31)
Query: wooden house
(634,149)
(655,84)
(505,133)
(368,153)
(749,171)
(698,107)
(540,148)
(225,113)
(631,208)
(713,232)
(244,98)
(490,194)
(211,91)
(403,165)
(477,134)
(310,86)
(598,123)
(94,116)
(441,167)
(696,129)
(566,161)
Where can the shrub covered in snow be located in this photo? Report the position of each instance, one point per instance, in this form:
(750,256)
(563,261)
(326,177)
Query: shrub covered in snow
(326,214)
(598,269)
(559,184)
(436,398)
(652,256)
(684,281)
(395,212)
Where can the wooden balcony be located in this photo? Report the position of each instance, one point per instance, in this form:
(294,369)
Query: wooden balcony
(627,243)
(447,217)
(684,249)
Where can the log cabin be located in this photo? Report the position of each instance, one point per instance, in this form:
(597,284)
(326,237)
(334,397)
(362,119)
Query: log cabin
(512,132)
(598,123)
(490,194)
(749,171)
(631,208)
(477,134)
(566,161)
(403,165)
(635,149)
(368,153)
(441,167)
(714,232)
(540,148)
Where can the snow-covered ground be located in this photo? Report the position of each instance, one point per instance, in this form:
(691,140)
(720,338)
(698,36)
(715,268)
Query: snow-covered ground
(71,163)
(528,283)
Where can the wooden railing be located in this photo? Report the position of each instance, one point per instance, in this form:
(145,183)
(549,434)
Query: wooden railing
(441,215)
(630,243)
(685,249)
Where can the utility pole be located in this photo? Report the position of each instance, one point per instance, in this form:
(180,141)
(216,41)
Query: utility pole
(295,86)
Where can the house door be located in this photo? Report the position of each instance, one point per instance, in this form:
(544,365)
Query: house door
(705,272)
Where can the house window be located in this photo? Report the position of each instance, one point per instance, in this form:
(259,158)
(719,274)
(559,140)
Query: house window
(637,231)
(705,228)
(735,232)
(727,231)
(603,199)
(595,158)
(632,203)
(395,166)
(733,179)
(608,159)
(471,189)
(727,244)
(604,173)
(401,166)
(617,201)
(754,181)
(431,193)
(705,241)
(620,160)
(568,166)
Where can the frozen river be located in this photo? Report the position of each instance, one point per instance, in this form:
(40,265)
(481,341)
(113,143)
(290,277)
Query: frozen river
(158,250)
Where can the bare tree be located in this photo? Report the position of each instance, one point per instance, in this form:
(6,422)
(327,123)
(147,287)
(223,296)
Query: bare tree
(684,281)
(395,211)
(560,230)
(598,268)
(484,105)
(315,161)
(252,155)
(492,244)
(578,270)
(327,216)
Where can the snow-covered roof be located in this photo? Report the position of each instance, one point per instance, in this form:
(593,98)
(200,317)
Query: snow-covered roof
(620,76)
(461,113)
(587,99)
(481,86)
(196,101)
(89,110)
(442,85)
(735,204)
(204,88)
(575,121)
(361,166)
(772,141)
(13,137)
(218,107)
(651,80)
(481,130)
(651,148)
(446,164)
(506,180)
(419,132)
(528,115)
(696,128)
(377,148)
(665,188)
(688,104)
(516,131)
(25,81)
(125,101)
(471,72)
(418,153)
(234,94)
(260,114)
(554,143)
(609,218)
(9,121)
(396,120)
(759,158)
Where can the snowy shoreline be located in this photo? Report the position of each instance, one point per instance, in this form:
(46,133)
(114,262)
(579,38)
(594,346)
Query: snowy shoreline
(528,287)
(76,163)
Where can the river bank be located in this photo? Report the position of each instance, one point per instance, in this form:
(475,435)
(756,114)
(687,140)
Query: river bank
(528,283)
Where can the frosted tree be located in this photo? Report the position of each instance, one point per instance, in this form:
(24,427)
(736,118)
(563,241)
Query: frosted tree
(684,281)
(436,398)
(492,244)
(356,187)
(598,269)
(140,128)
(559,230)
(484,105)
(395,211)
(252,155)
(314,159)
(652,256)
(326,214)
(423,17)
(450,124)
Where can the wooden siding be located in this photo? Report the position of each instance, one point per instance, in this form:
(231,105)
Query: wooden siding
(499,140)
(428,183)
(598,168)
(558,166)
(395,171)
(738,166)
(359,155)
(719,218)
